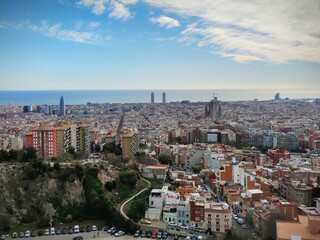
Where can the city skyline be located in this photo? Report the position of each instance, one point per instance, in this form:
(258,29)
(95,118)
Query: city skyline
(158,44)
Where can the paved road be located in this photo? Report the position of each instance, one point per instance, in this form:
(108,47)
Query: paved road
(122,206)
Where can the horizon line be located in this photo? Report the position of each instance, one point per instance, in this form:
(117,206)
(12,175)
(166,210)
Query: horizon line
(163,89)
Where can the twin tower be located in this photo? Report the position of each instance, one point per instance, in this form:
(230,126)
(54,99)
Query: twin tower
(163,97)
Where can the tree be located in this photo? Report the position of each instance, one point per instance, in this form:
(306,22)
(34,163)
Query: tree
(72,151)
(4,156)
(196,170)
(129,178)
(13,155)
(165,159)
(56,166)
(29,154)
(112,147)
(138,207)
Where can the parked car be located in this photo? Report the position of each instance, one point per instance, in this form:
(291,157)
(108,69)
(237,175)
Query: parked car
(58,231)
(165,235)
(27,234)
(172,224)
(70,230)
(176,237)
(33,233)
(94,228)
(76,229)
(153,235)
(148,234)
(136,233)
(40,233)
(64,231)
(111,229)
(119,233)
(14,235)
(88,229)
(183,226)
(82,229)
(105,228)
(244,226)
(99,228)
(240,221)
(2,237)
(143,234)
(145,221)
(21,235)
(52,231)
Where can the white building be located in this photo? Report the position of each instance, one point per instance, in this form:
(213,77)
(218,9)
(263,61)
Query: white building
(212,160)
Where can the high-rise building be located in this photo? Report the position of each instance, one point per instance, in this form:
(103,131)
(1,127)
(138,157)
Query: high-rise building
(54,141)
(277,96)
(163,97)
(152,97)
(130,143)
(27,108)
(62,108)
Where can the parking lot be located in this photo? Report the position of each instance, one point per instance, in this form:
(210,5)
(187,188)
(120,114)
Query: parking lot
(103,234)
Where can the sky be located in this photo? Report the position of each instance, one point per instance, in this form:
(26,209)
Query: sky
(159,44)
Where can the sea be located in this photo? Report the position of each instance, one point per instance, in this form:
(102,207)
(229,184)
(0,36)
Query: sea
(73,97)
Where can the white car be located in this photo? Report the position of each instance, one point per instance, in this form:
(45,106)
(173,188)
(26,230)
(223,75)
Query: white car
(76,229)
(94,228)
(172,224)
(119,233)
(46,232)
(27,234)
(52,231)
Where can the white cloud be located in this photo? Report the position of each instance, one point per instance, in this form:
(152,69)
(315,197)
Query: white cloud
(118,8)
(56,31)
(166,22)
(119,11)
(272,31)
(98,6)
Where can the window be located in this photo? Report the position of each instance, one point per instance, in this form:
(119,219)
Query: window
(151,203)
(209,215)
(217,215)
(225,216)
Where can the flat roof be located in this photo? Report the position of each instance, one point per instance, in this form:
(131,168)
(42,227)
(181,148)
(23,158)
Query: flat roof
(254,191)
(286,229)
(157,166)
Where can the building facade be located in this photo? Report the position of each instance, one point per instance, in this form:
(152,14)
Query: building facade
(130,143)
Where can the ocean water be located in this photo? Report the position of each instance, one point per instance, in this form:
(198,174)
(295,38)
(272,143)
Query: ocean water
(144,96)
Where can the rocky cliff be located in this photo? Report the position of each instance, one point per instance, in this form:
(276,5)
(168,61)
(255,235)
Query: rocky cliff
(29,195)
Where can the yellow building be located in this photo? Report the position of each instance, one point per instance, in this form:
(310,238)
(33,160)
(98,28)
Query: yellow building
(130,143)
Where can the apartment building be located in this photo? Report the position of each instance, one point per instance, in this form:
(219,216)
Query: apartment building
(217,217)
(55,140)
(130,143)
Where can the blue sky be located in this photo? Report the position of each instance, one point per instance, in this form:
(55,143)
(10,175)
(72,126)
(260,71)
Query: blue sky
(159,44)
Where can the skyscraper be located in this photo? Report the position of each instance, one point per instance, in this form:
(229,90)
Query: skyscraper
(277,96)
(163,97)
(62,109)
(152,97)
